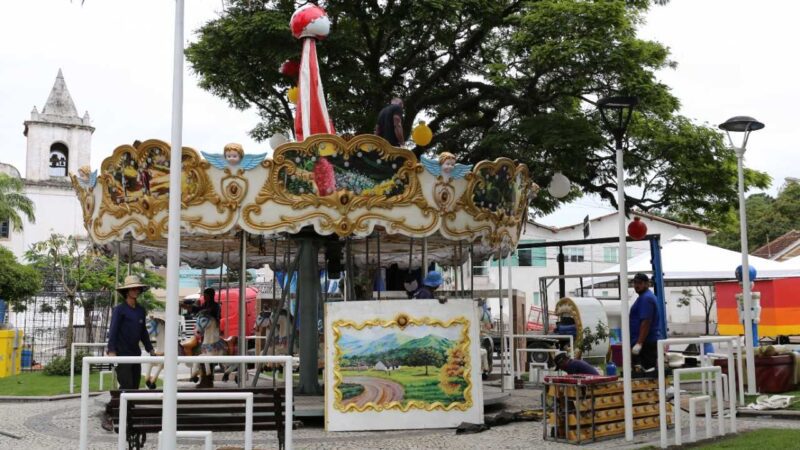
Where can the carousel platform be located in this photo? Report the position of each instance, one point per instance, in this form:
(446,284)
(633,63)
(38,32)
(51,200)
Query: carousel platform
(313,406)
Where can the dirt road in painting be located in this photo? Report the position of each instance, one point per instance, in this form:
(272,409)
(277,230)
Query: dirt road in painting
(376,390)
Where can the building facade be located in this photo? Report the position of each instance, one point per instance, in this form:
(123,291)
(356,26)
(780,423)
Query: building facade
(531,266)
(59,141)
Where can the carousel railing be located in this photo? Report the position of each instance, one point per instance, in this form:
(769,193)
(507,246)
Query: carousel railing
(287,362)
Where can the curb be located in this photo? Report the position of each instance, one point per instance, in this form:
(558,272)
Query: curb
(769,413)
(23,399)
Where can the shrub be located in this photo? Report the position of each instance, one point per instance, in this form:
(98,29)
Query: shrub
(60,365)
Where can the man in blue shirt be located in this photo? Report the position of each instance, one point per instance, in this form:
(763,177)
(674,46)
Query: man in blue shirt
(129,328)
(645,322)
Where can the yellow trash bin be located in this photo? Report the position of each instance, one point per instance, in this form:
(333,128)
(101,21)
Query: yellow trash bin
(10,352)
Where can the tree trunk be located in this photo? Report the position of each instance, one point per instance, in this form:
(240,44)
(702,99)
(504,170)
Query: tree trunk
(88,326)
(70,323)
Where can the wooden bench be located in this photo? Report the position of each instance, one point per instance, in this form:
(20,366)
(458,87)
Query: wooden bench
(144,416)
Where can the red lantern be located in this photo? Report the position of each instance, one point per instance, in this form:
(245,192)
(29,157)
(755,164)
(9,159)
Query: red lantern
(290,68)
(637,229)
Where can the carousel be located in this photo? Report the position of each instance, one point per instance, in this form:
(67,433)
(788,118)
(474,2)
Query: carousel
(326,206)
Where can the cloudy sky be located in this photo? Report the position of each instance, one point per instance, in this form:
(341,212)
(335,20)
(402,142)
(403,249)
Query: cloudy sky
(735,57)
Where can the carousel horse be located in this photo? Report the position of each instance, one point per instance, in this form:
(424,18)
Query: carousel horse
(211,344)
(156,329)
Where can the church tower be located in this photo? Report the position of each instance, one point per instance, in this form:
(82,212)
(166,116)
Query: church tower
(59,140)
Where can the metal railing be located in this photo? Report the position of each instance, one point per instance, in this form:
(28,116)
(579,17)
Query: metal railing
(72,361)
(287,362)
(732,341)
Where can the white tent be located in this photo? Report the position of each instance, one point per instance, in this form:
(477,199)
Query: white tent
(683,259)
(793,263)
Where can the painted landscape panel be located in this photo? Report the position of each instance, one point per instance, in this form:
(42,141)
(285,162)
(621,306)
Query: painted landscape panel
(423,365)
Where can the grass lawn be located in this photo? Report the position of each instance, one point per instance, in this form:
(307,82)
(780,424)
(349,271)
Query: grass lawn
(765,438)
(39,384)
(416,384)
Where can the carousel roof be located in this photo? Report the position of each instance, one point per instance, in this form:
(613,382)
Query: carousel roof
(361,192)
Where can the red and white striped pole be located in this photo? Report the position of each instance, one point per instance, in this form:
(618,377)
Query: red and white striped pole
(310,23)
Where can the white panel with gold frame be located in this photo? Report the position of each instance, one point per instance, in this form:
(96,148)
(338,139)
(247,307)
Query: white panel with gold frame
(402,364)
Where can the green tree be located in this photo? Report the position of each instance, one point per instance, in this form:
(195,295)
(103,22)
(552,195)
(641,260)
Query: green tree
(14,203)
(17,281)
(706,299)
(495,78)
(767,219)
(85,275)
(424,357)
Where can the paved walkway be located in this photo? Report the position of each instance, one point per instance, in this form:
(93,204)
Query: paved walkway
(55,425)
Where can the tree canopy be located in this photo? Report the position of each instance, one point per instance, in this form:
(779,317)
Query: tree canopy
(17,281)
(767,219)
(14,203)
(493,78)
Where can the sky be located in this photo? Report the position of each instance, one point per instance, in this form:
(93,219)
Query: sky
(735,57)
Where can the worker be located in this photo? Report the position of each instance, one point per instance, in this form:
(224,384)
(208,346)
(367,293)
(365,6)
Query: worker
(645,324)
(390,123)
(574,366)
(432,281)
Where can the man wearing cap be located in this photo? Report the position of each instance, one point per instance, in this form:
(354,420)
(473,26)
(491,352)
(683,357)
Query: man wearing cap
(128,329)
(432,281)
(645,324)
(574,366)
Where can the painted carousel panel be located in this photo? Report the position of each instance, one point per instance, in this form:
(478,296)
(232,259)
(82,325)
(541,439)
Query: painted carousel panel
(402,364)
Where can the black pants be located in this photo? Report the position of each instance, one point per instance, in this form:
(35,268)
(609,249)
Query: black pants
(648,356)
(129,376)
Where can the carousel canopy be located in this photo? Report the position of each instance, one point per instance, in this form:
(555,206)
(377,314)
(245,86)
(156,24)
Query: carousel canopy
(362,192)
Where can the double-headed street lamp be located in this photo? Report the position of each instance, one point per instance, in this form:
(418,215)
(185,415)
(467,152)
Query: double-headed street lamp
(744,125)
(616,113)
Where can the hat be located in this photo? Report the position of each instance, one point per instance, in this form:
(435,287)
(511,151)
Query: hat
(433,279)
(132,281)
(561,357)
(641,277)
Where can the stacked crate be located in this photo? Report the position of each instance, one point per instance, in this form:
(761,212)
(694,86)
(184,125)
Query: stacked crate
(583,409)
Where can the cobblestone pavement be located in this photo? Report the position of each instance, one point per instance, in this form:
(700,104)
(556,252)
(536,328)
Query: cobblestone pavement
(55,425)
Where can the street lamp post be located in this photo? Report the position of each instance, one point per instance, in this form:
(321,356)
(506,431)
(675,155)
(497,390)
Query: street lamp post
(616,113)
(744,125)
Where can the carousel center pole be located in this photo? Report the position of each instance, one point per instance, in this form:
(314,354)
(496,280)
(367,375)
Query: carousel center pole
(242,306)
(308,296)
(170,403)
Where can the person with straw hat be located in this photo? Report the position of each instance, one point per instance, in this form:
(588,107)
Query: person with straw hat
(128,329)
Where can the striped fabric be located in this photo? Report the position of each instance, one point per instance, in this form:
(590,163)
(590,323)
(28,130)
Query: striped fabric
(311,116)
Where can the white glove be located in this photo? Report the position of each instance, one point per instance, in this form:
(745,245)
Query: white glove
(636,349)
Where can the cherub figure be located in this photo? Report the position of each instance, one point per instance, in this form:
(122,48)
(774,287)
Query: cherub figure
(233,157)
(86,177)
(446,167)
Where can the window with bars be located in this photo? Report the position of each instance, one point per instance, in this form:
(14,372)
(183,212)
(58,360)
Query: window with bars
(5,229)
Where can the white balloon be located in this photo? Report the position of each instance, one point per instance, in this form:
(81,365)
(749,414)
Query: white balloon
(559,186)
(277,139)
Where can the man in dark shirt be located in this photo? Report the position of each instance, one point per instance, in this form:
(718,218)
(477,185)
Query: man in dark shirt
(574,366)
(128,329)
(390,123)
(645,323)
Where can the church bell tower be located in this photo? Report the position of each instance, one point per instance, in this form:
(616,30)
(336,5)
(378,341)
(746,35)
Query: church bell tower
(59,140)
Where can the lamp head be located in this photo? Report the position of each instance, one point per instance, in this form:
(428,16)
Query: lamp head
(740,124)
(616,113)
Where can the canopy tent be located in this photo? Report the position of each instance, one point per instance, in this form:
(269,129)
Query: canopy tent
(685,261)
(793,263)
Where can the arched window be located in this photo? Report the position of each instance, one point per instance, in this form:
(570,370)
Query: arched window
(59,155)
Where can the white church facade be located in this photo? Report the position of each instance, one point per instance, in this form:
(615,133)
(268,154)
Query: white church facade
(59,141)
